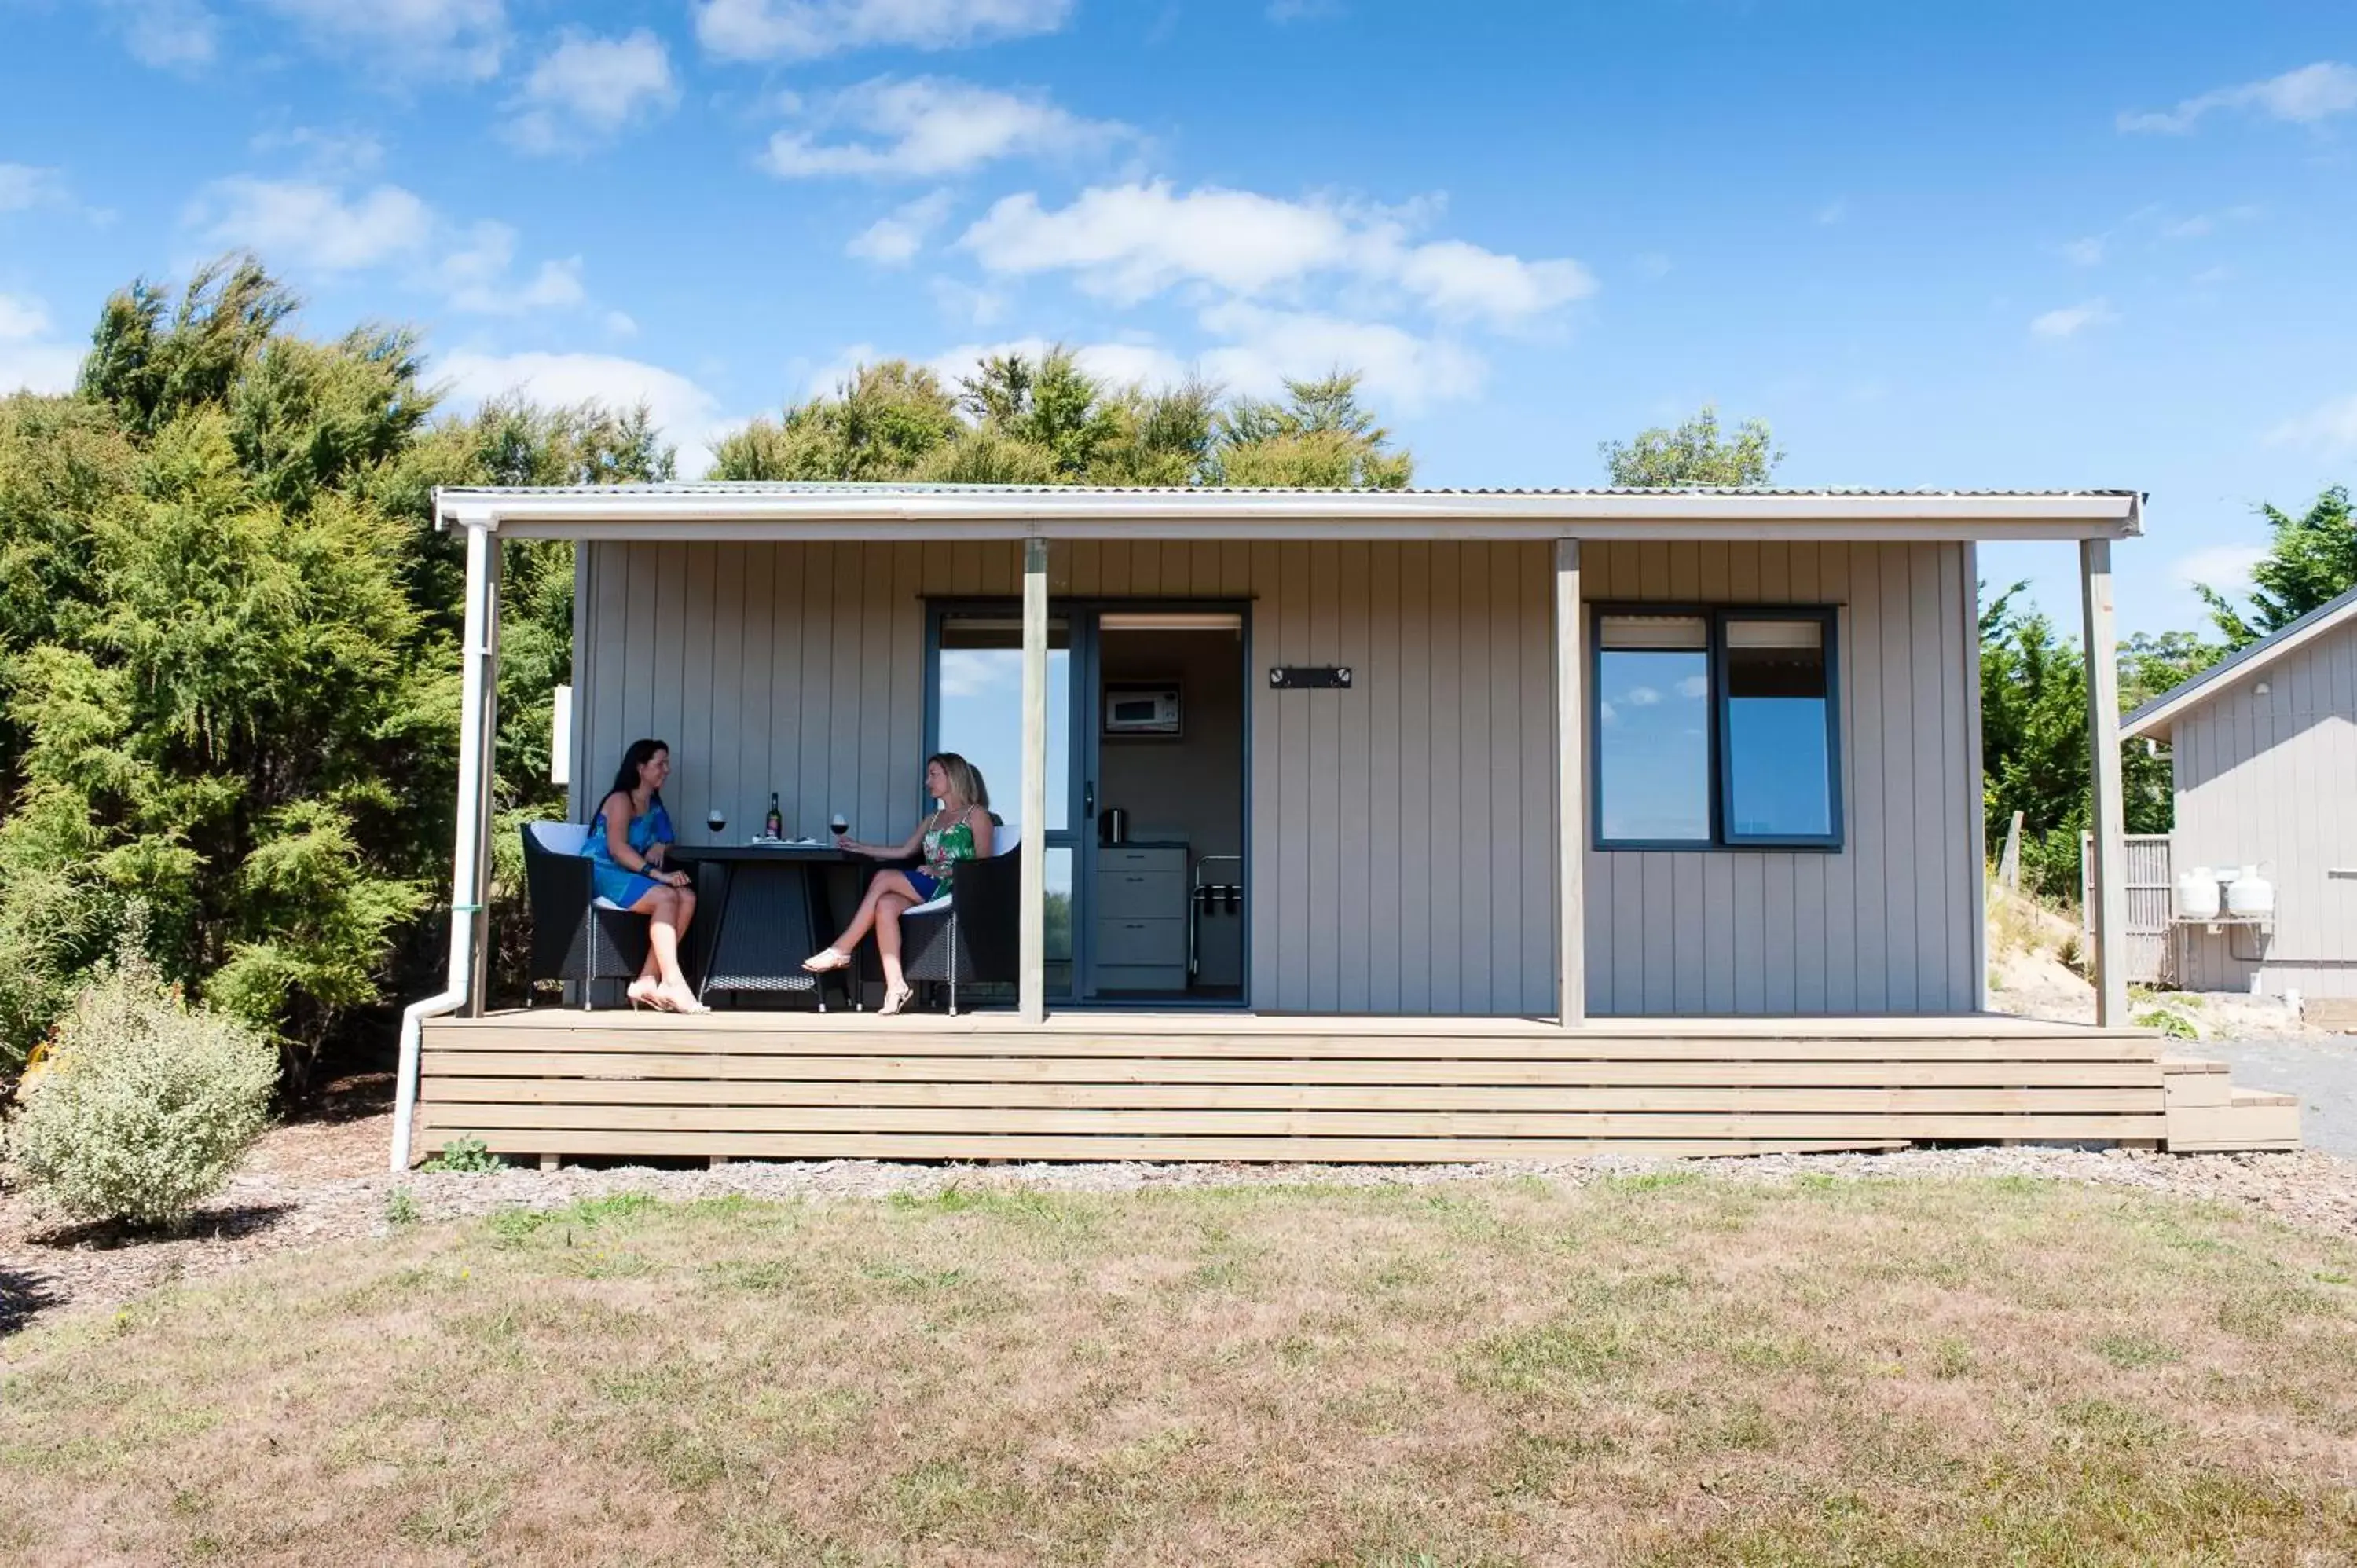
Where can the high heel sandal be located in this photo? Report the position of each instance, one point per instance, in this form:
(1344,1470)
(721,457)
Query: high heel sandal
(651,996)
(691,1004)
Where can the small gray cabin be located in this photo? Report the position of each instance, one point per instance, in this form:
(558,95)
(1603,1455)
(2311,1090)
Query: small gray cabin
(2263,750)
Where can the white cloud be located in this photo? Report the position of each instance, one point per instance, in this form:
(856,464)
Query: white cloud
(686,413)
(1833,211)
(2086,253)
(21,318)
(2331,428)
(1694,687)
(1403,370)
(1642,696)
(619,324)
(588,89)
(1461,279)
(2303,97)
(465,38)
(172,35)
(1127,243)
(324,155)
(894,239)
(809,29)
(2226,567)
(308,224)
(27,363)
(24,186)
(474,275)
(47,368)
(963,303)
(925,127)
(2072,320)
(1282,11)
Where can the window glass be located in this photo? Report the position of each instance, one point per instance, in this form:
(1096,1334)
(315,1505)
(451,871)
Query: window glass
(1653,729)
(980,687)
(1778,767)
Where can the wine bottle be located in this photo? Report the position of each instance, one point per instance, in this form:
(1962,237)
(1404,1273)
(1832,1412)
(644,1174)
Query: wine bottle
(774,824)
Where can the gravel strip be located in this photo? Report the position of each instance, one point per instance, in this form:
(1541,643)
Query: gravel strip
(289,1199)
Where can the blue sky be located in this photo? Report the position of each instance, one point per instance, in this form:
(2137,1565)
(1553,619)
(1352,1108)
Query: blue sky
(2002,244)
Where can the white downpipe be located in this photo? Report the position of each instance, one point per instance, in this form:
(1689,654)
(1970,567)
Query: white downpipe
(466,877)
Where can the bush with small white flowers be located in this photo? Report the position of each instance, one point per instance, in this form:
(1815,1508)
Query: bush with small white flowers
(142,1104)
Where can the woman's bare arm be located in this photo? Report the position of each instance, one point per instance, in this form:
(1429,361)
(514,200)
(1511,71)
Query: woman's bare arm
(904,850)
(979,821)
(617,812)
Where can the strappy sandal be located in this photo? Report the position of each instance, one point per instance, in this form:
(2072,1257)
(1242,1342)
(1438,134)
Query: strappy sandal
(817,963)
(894,1001)
(691,1004)
(646,994)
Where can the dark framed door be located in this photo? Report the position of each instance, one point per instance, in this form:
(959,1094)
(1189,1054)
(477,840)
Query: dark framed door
(974,706)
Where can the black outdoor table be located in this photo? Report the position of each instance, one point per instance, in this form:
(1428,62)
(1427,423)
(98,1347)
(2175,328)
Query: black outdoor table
(768,902)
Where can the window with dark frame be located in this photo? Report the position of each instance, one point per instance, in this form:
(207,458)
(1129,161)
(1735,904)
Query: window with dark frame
(1715,729)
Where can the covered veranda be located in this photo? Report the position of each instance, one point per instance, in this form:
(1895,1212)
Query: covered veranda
(1265,1082)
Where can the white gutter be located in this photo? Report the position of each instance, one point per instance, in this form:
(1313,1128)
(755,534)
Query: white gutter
(722,511)
(467,876)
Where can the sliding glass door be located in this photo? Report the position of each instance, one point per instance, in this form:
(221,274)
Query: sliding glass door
(976,692)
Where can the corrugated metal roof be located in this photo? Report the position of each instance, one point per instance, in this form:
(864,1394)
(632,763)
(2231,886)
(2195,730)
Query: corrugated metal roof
(831,487)
(2156,713)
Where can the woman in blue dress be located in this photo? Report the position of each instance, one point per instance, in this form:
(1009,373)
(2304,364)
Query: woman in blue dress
(626,841)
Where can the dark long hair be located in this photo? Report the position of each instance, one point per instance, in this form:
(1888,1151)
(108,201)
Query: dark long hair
(627,780)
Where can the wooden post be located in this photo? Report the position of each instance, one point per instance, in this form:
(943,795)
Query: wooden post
(2107,864)
(1031,992)
(1571,791)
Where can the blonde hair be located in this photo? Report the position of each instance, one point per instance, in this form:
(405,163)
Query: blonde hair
(965,778)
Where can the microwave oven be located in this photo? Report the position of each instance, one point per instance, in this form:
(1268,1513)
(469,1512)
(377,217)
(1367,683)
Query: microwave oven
(1141,710)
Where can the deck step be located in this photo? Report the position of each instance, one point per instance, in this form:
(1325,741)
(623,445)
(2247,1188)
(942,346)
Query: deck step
(2208,1114)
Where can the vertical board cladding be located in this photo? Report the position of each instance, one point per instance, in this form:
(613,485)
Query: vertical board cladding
(2265,780)
(1403,855)
(1883,925)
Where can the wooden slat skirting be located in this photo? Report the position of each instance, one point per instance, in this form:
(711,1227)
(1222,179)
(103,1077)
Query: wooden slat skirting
(1143,1086)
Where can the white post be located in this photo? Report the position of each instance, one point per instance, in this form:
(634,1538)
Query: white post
(1031,992)
(477,714)
(484,653)
(1571,791)
(2107,865)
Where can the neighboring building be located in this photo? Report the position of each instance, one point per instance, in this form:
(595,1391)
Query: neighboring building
(2263,748)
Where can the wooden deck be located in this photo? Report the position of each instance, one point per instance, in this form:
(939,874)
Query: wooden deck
(1100,1086)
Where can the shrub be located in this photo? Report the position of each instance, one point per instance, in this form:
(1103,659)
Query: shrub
(143,1104)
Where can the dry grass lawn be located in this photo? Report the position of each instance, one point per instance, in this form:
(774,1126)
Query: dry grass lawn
(1668,1370)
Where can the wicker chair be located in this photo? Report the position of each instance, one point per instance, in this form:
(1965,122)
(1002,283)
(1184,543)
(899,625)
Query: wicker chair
(970,934)
(575,935)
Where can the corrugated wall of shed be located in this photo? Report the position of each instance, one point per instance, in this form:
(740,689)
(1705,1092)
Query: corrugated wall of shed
(1402,830)
(1889,923)
(2271,780)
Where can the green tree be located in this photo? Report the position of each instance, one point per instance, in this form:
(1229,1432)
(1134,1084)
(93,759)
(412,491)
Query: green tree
(2310,559)
(1693,454)
(229,652)
(1321,437)
(2035,750)
(881,423)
